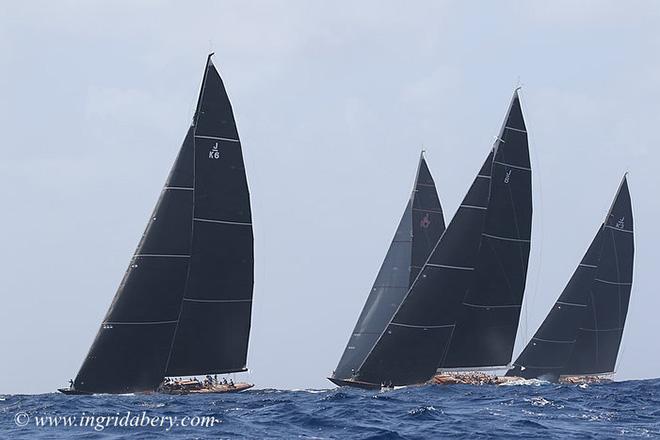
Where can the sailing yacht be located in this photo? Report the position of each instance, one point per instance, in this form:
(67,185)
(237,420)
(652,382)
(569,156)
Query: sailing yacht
(580,337)
(184,305)
(461,312)
(420,227)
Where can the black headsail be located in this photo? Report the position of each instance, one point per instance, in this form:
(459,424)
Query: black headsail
(415,340)
(131,350)
(420,227)
(582,333)
(486,326)
(214,324)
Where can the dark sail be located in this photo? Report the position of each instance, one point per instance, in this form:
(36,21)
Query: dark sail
(548,351)
(582,333)
(486,326)
(420,227)
(412,345)
(131,348)
(214,323)
(184,304)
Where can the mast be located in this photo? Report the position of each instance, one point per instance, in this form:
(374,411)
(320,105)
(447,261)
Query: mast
(582,332)
(421,225)
(486,326)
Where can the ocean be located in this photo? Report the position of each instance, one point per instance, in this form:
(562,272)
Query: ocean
(533,410)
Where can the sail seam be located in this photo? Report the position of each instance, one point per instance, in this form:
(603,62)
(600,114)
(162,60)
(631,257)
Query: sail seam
(601,329)
(427,210)
(512,166)
(221,221)
(421,326)
(445,266)
(138,323)
(553,341)
(216,138)
(474,207)
(571,304)
(482,306)
(521,240)
(612,282)
(515,129)
(162,255)
(619,229)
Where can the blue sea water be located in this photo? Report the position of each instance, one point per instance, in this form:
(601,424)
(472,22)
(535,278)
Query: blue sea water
(532,411)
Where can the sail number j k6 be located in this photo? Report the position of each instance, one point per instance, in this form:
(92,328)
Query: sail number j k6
(214,153)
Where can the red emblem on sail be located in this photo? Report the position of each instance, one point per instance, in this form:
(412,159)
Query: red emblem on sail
(426,221)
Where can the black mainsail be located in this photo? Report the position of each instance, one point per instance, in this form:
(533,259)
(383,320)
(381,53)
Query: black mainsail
(465,271)
(184,305)
(420,227)
(582,332)
(485,331)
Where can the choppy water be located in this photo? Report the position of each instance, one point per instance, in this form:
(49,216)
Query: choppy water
(617,410)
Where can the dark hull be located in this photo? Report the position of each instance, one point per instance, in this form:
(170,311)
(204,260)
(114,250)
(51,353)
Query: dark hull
(70,391)
(354,384)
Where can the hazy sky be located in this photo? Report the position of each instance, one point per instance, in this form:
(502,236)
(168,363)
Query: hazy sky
(333,101)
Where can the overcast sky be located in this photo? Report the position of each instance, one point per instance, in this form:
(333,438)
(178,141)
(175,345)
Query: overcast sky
(333,102)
